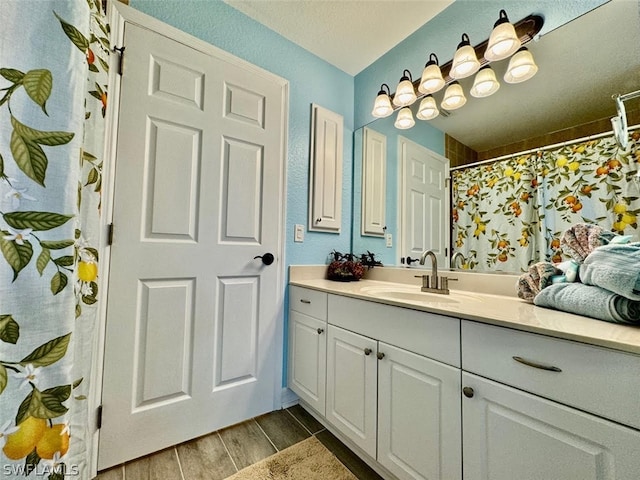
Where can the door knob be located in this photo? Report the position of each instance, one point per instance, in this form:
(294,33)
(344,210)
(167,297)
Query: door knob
(468,392)
(267,258)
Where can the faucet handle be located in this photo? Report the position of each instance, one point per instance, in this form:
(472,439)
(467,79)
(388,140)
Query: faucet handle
(425,280)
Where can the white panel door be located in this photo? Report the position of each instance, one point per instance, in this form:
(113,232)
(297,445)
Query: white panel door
(425,201)
(308,359)
(374,183)
(419,424)
(510,434)
(191,341)
(352,386)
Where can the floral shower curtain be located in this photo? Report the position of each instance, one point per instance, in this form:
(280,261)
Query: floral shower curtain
(53,75)
(511,213)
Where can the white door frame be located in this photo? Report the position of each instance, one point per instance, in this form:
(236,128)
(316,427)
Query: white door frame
(401,199)
(120,14)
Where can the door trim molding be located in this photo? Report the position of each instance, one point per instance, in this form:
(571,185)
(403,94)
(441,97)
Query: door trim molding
(119,15)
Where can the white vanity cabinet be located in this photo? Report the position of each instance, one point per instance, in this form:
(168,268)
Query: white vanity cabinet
(546,433)
(386,395)
(308,345)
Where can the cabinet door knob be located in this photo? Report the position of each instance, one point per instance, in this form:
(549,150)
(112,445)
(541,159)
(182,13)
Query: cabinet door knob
(380,355)
(367,351)
(320,330)
(468,392)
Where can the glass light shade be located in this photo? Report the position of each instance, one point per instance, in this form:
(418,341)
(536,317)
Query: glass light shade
(465,62)
(485,83)
(405,94)
(503,41)
(431,80)
(428,109)
(521,67)
(382,107)
(404,119)
(453,97)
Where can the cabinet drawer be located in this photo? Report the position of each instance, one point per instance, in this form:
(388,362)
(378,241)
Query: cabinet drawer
(428,334)
(307,301)
(594,379)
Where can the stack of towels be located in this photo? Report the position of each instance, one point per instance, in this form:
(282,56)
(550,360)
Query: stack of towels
(602,280)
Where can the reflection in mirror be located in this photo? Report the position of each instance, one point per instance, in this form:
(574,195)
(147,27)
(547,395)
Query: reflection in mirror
(582,64)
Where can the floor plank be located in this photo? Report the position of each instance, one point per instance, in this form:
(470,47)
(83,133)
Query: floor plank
(306,419)
(246,443)
(357,466)
(282,429)
(205,458)
(114,473)
(162,465)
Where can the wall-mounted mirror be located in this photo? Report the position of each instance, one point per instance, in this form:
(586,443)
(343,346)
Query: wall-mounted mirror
(581,65)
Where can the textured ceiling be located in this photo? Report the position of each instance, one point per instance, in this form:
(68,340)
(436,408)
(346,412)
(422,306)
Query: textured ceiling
(348,34)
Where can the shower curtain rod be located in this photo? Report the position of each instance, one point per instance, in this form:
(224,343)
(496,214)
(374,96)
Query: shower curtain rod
(540,149)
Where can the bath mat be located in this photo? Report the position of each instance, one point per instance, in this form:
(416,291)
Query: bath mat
(307,460)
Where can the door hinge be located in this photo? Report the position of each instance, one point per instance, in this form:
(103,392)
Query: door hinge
(110,234)
(99,418)
(120,52)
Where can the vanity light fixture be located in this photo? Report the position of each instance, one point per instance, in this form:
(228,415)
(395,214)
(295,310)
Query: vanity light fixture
(453,97)
(427,109)
(503,41)
(465,61)
(485,83)
(405,94)
(382,107)
(521,67)
(432,80)
(404,119)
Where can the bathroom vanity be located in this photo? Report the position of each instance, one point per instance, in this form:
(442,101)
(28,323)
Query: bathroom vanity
(465,386)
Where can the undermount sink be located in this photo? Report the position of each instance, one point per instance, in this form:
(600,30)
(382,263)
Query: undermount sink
(413,294)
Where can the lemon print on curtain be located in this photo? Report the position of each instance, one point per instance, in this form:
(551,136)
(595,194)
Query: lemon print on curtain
(511,213)
(53,97)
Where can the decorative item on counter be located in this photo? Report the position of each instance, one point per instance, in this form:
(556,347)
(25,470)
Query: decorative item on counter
(369,260)
(344,268)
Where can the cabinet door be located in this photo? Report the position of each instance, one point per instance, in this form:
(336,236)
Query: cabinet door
(351,386)
(419,424)
(511,434)
(374,183)
(307,359)
(325,192)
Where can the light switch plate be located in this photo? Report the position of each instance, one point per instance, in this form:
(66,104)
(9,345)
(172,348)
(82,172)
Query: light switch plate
(389,239)
(298,233)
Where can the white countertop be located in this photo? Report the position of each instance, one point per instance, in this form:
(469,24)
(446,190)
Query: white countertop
(506,311)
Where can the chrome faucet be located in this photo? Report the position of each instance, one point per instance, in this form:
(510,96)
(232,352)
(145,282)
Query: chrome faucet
(432,283)
(434,268)
(455,257)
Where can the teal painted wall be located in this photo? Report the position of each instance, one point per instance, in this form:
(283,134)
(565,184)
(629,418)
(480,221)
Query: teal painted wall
(311,80)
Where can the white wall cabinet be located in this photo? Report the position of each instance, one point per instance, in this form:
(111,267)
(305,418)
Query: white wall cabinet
(325,173)
(374,183)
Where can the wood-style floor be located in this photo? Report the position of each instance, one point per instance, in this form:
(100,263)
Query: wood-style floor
(221,454)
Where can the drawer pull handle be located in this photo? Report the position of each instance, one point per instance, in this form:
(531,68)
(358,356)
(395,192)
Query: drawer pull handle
(320,330)
(303,300)
(380,355)
(541,366)
(367,351)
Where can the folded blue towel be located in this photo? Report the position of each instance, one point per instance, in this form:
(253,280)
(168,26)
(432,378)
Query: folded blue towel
(615,268)
(590,301)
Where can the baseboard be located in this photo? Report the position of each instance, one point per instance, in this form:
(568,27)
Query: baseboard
(288,398)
